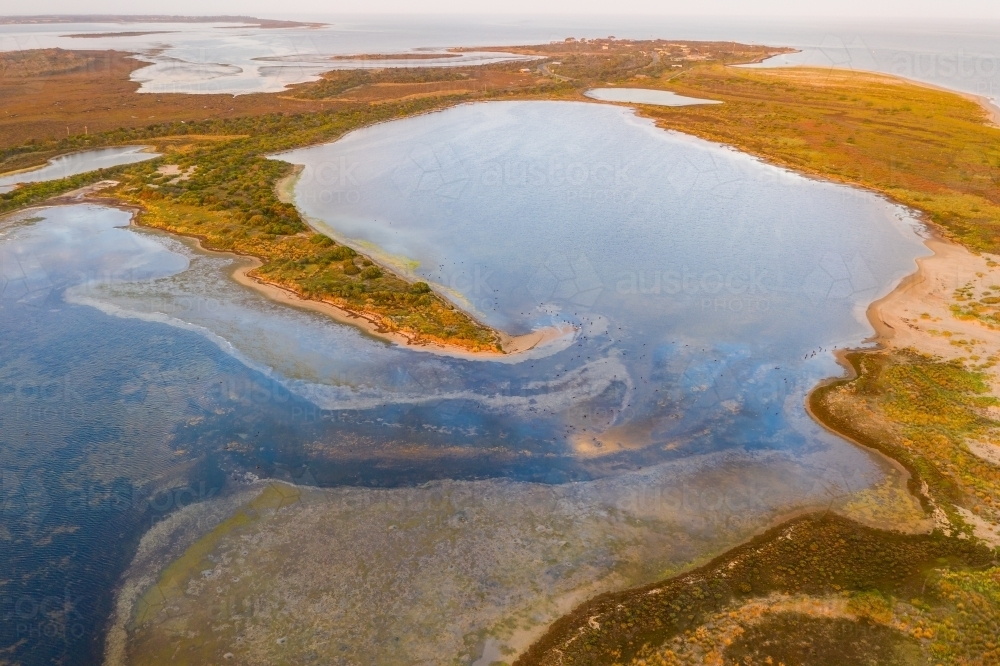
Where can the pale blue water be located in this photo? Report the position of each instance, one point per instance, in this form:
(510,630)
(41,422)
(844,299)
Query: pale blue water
(535,212)
(645,96)
(76,163)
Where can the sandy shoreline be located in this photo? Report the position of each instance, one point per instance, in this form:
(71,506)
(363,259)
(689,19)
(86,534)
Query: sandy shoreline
(918,313)
(928,313)
(284,189)
(992,110)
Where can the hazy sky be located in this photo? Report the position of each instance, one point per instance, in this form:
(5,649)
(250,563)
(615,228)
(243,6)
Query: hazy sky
(898,9)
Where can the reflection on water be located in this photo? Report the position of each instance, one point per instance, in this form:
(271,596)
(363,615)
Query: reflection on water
(75,163)
(645,96)
(704,283)
(707,289)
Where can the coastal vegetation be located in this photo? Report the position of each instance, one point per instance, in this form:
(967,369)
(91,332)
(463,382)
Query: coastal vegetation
(317,268)
(337,82)
(924,413)
(984,307)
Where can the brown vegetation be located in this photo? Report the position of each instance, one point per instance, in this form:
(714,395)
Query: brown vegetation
(378,85)
(814,556)
(51,93)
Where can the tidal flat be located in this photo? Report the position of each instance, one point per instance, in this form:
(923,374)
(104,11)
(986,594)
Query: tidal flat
(436,573)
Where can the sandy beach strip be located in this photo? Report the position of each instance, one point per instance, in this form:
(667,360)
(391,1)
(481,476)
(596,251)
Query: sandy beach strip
(284,189)
(918,313)
(992,110)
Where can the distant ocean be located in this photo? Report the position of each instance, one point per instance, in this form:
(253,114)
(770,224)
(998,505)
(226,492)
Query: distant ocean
(205,58)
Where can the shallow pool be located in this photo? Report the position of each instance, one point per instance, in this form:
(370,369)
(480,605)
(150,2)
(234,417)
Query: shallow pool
(645,96)
(76,163)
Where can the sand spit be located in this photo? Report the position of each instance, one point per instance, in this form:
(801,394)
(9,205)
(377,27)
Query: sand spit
(512,345)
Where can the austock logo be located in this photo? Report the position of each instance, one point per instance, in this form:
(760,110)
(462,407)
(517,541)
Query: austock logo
(22,276)
(432,169)
(568,280)
(838,279)
(23,498)
(51,617)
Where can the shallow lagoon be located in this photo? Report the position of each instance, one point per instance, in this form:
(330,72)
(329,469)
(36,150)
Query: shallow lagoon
(704,283)
(65,166)
(701,282)
(645,96)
